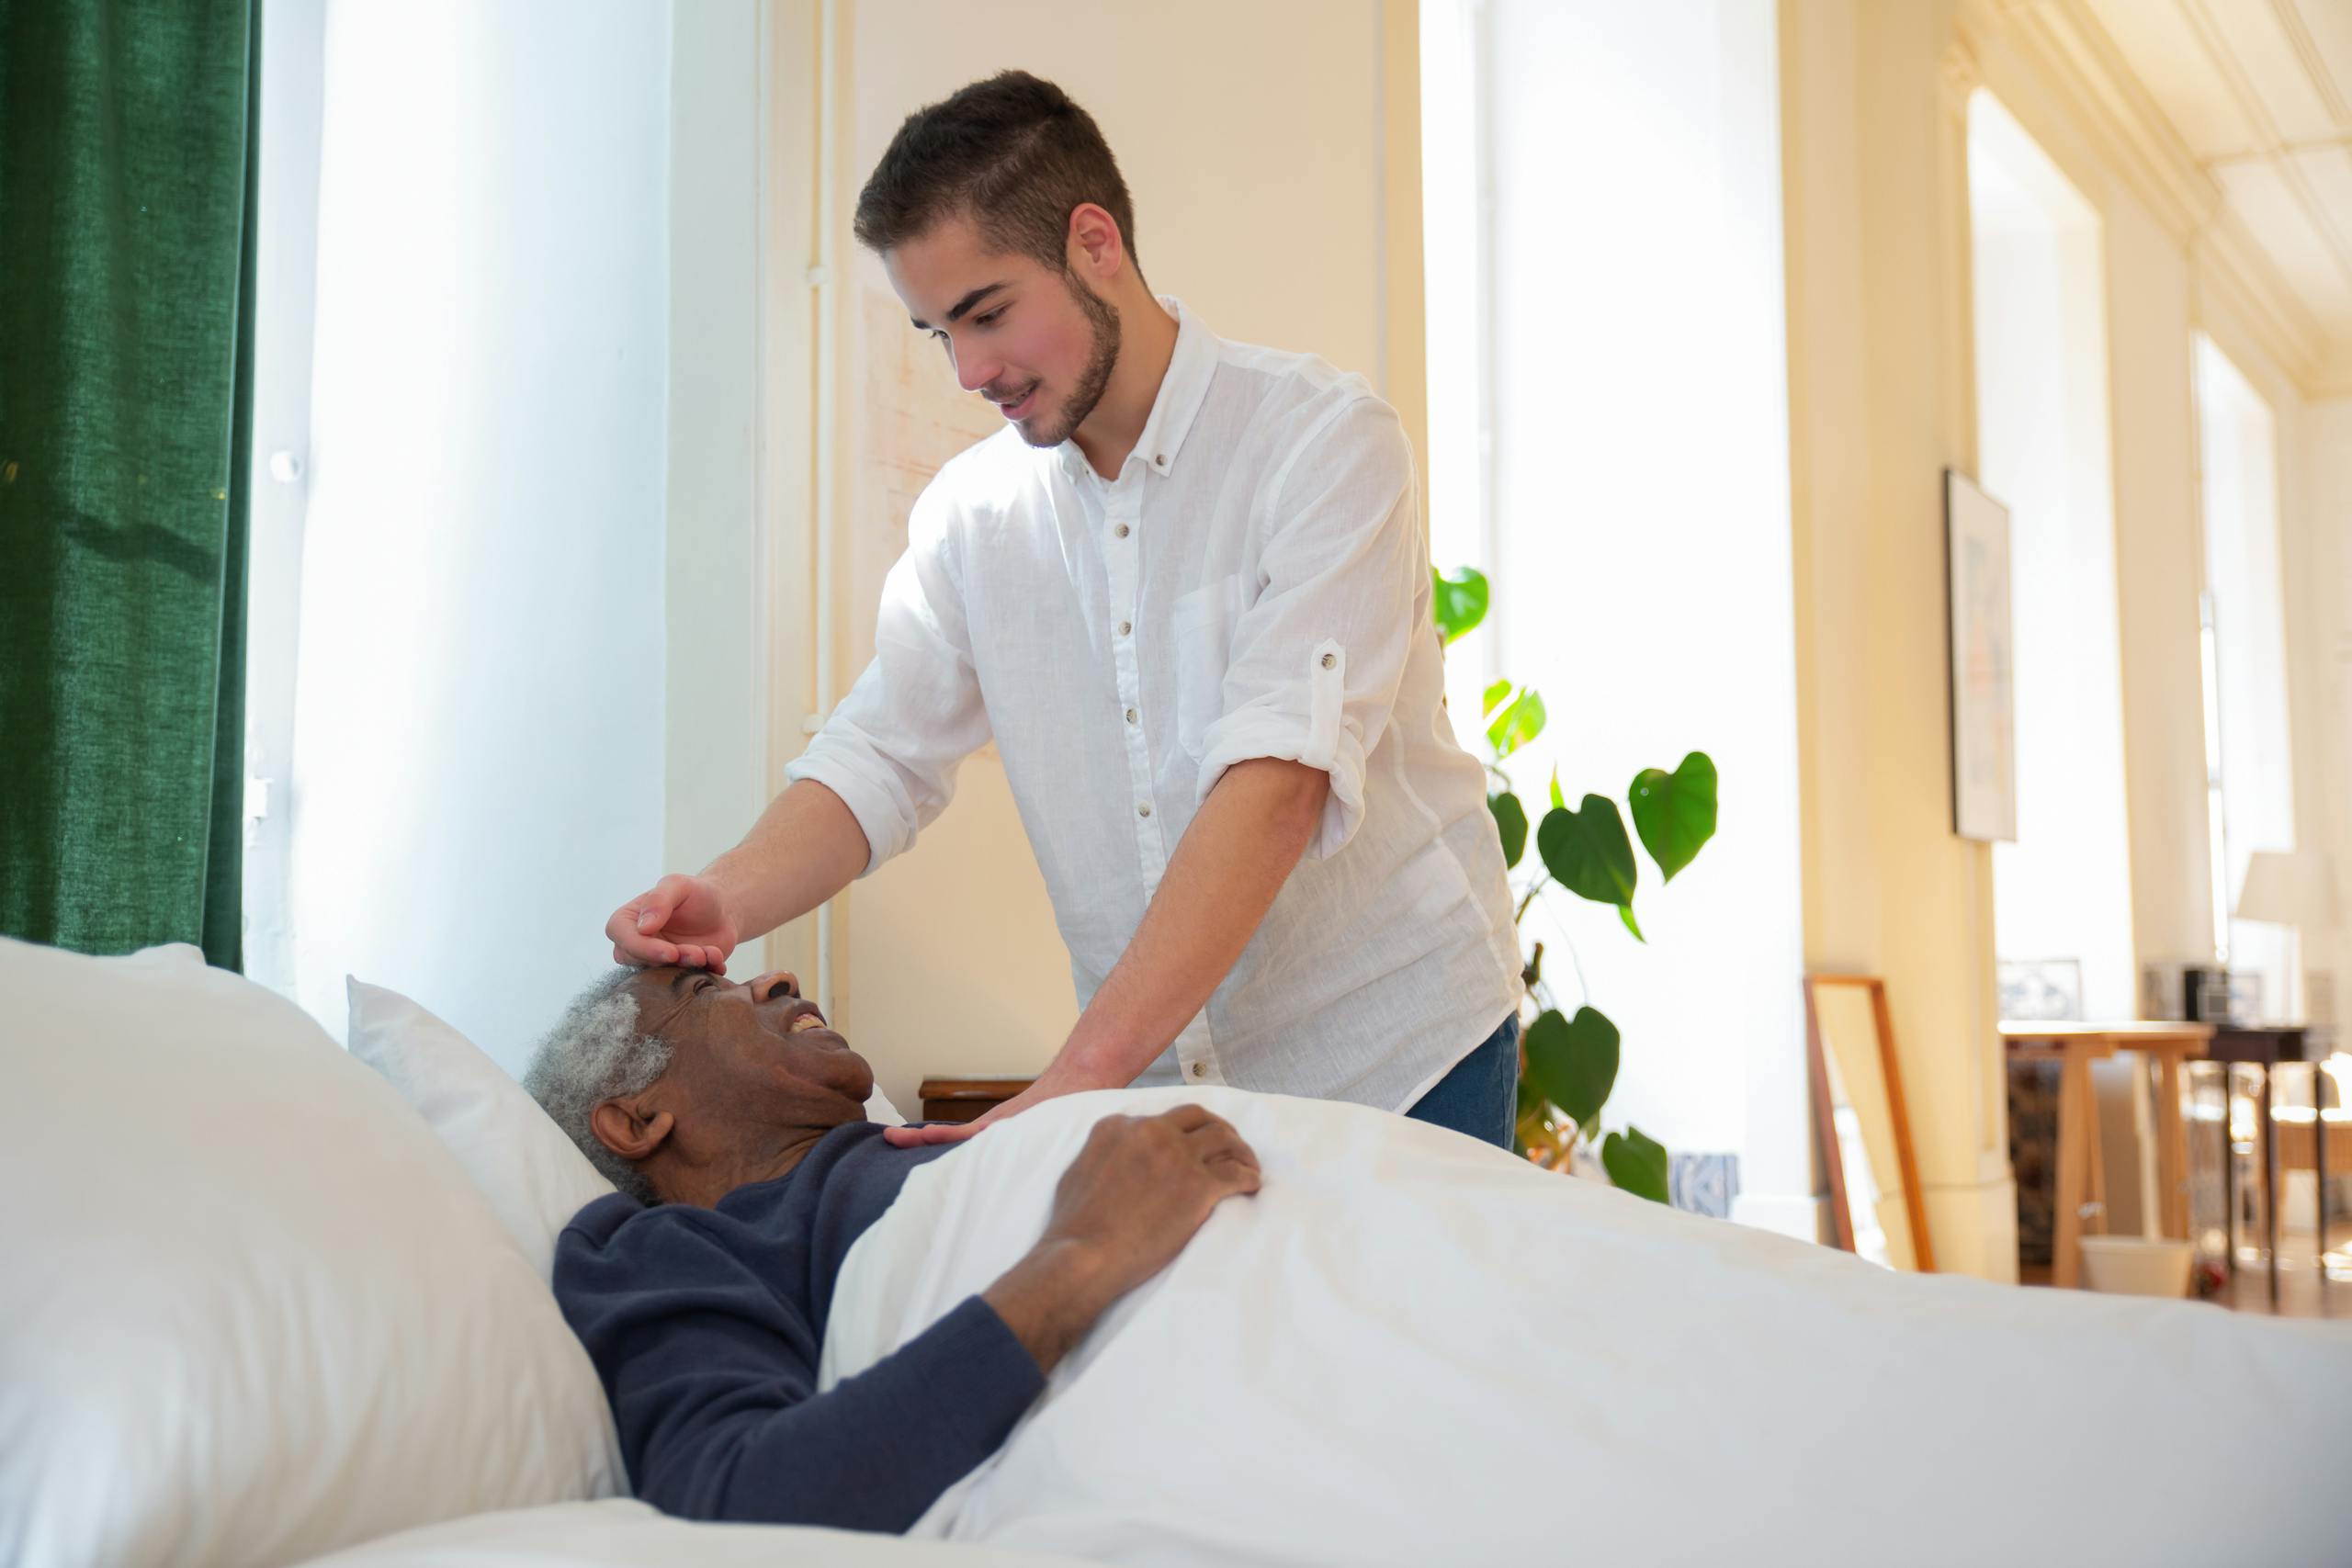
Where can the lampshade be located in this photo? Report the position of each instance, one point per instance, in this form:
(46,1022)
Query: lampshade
(2288,888)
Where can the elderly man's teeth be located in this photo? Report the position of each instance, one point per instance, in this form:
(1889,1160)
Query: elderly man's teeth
(804,1022)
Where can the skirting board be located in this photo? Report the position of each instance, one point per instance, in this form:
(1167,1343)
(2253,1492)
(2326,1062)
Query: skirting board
(1805,1218)
(1974,1226)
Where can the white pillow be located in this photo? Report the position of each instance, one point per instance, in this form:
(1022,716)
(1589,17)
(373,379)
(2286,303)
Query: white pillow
(251,1311)
(534,1176)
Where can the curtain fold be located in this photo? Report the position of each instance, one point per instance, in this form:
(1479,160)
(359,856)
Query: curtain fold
(127,163)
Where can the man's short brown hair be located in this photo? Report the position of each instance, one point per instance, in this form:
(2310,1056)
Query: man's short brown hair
(1014,153)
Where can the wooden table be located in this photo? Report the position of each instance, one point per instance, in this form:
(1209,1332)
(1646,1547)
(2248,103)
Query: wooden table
(2081,1178)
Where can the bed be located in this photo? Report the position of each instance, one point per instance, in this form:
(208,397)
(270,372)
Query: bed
(272,1303)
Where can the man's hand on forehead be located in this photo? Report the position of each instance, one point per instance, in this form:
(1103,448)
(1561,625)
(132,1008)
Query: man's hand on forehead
(682,921)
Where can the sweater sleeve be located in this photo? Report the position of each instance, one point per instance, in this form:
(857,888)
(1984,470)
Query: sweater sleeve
(712,1378)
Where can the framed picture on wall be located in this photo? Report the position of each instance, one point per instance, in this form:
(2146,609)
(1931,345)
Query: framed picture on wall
(1983,667)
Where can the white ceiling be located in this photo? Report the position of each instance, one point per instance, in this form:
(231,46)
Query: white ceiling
(2261,92)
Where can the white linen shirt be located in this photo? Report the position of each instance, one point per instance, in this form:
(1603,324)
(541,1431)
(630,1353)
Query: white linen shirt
(1254,583)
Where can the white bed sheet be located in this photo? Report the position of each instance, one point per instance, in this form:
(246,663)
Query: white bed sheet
(1412,1348)
(619,1533)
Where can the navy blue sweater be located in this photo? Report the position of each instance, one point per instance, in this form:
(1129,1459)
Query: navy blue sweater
(706,1325)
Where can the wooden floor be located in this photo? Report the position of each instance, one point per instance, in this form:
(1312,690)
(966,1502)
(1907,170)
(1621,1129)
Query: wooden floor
(2301,1293)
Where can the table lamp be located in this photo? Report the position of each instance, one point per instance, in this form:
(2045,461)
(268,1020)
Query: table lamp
(2289,887)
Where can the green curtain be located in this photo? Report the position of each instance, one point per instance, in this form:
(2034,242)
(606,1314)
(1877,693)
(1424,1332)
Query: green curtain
(127,163)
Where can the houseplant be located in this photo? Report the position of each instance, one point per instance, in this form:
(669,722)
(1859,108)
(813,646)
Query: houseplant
(1568,1061)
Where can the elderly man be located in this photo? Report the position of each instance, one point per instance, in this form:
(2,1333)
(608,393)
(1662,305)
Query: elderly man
(733,1120)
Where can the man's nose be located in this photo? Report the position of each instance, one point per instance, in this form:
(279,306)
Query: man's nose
(973,371)
(774,981)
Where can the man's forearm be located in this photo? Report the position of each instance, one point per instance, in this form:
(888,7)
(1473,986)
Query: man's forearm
(870,1453)
(1241,847)
(806,847)
(1051,1298)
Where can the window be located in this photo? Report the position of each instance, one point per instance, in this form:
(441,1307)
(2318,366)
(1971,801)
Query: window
(2062,890)
(2250,760)
(1609,442)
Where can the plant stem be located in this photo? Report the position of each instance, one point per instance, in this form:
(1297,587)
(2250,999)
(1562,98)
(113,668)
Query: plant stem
(1537,887)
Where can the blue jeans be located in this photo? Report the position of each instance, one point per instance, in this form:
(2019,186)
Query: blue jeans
(1480,1096)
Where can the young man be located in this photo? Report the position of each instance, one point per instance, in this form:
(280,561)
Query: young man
(1186,591)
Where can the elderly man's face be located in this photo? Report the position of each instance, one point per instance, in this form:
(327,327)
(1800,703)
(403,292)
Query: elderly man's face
(752,1064)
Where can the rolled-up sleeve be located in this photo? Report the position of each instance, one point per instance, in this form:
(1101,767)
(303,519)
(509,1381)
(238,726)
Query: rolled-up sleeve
(890,748)
(1318,655)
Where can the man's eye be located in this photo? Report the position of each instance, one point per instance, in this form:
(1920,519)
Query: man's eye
(992,317)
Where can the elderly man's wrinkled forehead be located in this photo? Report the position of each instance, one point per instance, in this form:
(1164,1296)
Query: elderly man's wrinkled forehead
(666,994)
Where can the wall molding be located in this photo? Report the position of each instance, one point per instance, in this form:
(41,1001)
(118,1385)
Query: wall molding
(2074,57)
(2332,375)
(2062,42)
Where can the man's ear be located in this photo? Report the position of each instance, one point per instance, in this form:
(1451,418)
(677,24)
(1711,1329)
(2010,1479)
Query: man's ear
(624,1129)
(1096,246)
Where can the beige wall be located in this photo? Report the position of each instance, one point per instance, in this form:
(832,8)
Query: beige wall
(1273,155)
(1881,399)
(1875,180)
(2321,561)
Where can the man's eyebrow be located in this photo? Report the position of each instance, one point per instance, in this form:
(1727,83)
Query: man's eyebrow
(964,307)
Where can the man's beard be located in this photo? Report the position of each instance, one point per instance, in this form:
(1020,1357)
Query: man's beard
(1104,317)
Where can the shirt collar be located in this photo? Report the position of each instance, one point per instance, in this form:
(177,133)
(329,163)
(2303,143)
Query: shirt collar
(1182,391)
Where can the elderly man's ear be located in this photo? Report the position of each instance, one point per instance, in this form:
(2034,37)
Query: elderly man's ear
(628,1130)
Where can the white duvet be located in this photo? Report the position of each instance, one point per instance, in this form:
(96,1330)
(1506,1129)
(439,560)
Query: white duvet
(1413,1349)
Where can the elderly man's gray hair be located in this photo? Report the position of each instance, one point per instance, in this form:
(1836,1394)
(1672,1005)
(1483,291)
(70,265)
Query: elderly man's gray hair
(595,1052)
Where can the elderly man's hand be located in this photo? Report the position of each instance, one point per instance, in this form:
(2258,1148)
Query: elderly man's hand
(1134,1195)
(680,919)
(1143,1184)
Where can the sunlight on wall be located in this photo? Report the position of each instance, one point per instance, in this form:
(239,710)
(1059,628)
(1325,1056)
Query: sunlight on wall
(1456,218)
(478,723)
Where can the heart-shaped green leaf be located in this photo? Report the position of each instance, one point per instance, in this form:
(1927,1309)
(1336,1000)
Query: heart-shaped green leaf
(1586,851)
(1636,1163)
(1458,602)
(1573,1061)
(1557,798)
(1494,694)
(1510,820)
(1675,813)
(1521,721)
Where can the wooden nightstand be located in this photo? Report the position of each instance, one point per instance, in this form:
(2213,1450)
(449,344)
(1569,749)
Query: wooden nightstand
(967,1099)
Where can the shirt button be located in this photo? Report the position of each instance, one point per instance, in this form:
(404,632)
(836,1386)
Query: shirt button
(1144,809)
(1126,627)
(1329,660)
(1121,530)
(1199,1069)
(1131,715)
